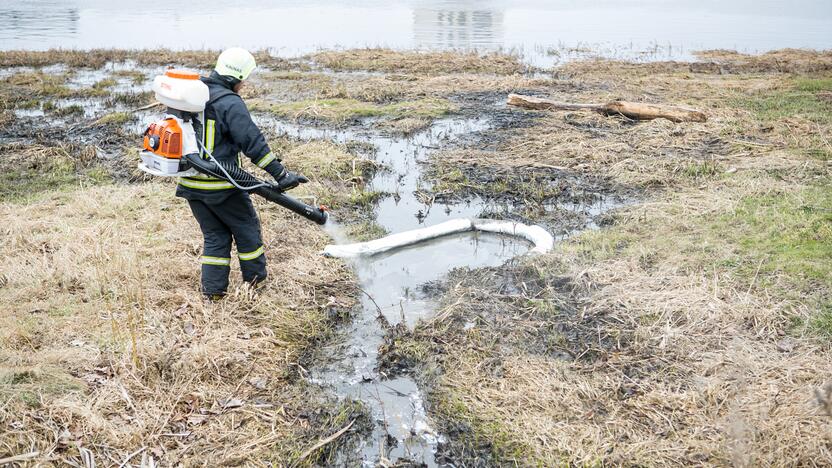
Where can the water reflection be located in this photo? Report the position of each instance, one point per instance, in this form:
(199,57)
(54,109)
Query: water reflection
(38,24)
(462,25)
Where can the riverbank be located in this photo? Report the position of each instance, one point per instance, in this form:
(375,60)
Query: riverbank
(689,324)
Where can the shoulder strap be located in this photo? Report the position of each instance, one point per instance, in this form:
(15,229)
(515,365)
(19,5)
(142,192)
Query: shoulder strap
(221,94)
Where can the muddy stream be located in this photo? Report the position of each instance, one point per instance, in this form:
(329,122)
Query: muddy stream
(392,283)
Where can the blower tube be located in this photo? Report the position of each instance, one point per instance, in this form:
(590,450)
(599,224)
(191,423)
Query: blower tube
(245,181)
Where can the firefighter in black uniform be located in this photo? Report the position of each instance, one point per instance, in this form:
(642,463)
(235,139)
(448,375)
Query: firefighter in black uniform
(223,211)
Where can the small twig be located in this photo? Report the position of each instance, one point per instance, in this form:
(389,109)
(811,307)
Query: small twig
(19,458)
(323,442)
(381,442)
(245,377)
(149,106)
(127,460)
(754,280)
(384,322)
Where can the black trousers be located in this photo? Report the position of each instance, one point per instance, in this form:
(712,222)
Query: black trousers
(233,218)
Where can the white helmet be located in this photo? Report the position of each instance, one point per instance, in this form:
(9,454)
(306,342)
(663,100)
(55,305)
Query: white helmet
(235,62)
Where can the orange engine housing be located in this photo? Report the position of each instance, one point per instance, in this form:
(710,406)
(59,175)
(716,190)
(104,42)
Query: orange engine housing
(164,138)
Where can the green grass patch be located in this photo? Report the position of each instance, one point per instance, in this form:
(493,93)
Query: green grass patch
(106,83)
(289,75)
(480,431)
(29,384)
(135,76)
(788,233)
(814,84)
(73,109)
(699,170)
(29,171)
(785,237)
(24,89)
(800,99)
(30,85)
(358,199)
(365,230)
(29,104)
(805,98)
(364,198)
(116,118)
(779,105)
(131,99)
(450,181)
(821,323)
(23,181)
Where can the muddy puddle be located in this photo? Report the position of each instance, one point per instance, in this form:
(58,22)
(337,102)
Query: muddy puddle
(392,282)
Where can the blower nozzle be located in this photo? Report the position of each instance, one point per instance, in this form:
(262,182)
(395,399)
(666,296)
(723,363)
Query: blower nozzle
(248,182)
(318,215)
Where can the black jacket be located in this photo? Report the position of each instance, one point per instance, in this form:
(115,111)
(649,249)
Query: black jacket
(229,130)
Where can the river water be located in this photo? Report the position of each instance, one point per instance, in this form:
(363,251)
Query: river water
(543,31)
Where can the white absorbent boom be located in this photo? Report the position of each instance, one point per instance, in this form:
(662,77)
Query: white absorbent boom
(542,240)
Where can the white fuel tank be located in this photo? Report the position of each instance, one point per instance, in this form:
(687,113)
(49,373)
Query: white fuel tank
(181,90)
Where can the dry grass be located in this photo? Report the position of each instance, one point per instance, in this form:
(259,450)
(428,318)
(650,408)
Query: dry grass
(406,125)
(660,341)
(341,111)
(692,331)
(392,87)
(743,132)
(320,159)
(29,169)
(107,346)
(111,349)
(97,58)
(337,173)
(783,60)
(25,90)
(713,62)
(428,63)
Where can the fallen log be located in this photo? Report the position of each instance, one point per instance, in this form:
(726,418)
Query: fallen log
(632,110)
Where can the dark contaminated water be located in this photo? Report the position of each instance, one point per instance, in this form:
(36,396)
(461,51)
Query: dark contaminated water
(543,31)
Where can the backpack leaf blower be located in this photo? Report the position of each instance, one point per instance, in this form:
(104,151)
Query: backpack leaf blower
(172,149)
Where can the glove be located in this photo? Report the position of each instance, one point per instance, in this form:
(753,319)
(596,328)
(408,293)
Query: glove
(288,180)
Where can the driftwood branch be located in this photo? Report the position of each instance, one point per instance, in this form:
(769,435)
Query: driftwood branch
(632,110)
